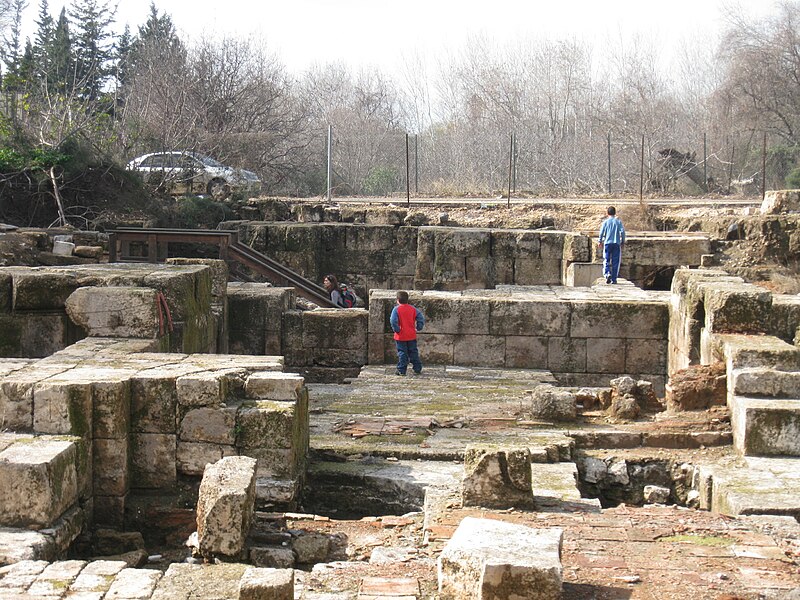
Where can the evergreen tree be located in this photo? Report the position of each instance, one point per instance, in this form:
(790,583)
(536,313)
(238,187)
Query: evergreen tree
(11,42)
(123,56)
(44,36)
(159,33)
(93,46)
(60,75)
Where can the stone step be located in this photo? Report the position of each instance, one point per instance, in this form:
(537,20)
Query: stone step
(764,382)
(766,426)
(762,486)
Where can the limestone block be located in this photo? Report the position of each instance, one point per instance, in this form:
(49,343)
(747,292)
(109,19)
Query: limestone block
(524,352)
(111,469)
(780,201)
(438,349)
(97,576)
(645,356)
(153,460)
(45,289)
(334,328)
(528,318)
(732,308)
(95,252)
(38,482)
(479,350)
(489,559)
(213,425)
(766,382)
(566,355)
(133,584)
(607,355)
(187,289)
(271,385)
(619,319)
(277,463)
(111,402)
(552,404)
(453,314)
(272,557)
(6,292)
(753,351)
(125,312)
(580,274)
(278,491)
(22,573)
(16,401)
(63,408)
(375,354)
(497,478)
(577,248)
(225,506)
(219,273)
(268,424)
(372,238)
(206,388)
(765,427)
(192,457)
(267,584)
(552,244)
(532,271)
(33,335)
(154,401)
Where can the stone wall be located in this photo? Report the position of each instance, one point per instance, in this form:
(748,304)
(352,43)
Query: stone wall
(392,255)
(584,338)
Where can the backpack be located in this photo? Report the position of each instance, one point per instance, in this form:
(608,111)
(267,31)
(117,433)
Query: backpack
(349,298)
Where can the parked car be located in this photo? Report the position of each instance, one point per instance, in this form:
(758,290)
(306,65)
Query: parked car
(191,173)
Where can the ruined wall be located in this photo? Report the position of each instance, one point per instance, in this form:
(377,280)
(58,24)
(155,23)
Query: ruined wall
(584,338)
(34,322)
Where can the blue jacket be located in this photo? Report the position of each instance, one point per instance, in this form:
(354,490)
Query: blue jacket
(612,231)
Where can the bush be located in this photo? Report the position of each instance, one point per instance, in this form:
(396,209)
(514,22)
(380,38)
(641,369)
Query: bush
(381,181)
(793,179)
(199,213)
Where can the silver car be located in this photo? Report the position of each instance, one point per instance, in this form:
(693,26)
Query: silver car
(185,173)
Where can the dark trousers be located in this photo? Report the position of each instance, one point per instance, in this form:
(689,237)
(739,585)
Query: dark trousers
(611,256)
(407,352)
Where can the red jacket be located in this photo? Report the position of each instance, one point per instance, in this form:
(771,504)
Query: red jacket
(406,321)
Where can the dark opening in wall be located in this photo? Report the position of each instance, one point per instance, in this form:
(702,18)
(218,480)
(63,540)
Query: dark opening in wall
(659,279)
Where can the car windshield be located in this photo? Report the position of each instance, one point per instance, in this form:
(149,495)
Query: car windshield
(209,162)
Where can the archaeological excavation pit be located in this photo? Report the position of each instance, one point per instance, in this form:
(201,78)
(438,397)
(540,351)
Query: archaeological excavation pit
(639,437)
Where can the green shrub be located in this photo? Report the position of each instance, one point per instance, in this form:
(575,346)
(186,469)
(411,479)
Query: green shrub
(793,179)
(199,213)
(381,181)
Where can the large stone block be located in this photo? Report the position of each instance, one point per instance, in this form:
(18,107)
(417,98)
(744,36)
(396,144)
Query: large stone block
(523,352)
(607,355)
(271,385)
(153,462)
(581,274)
(111,467)
(267,424)
(35,335)
(533,271)
(45,289)
(734,308)
(765,382)
(566,355)
(212,425)
(6,292)
(754,351)
(335,328)
(497,478)
(492,560)
(433,349)
(479,350)
(267,584)
(134,584)
(125,312)
(38,482)
(63,408)
(111,402)
(206,388)
(550,403)
(780,201)
(277,463)
(620,319)
(451,313)
(192,457)
(766,427)
(528,318)
(225,506)
(645,356)
(369,239)
(154,401)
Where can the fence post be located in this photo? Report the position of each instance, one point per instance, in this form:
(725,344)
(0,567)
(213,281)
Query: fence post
(330,138)
(730,169)
(641,174)
(408,180)
(609,163)
(515,153)
(416,164)
(705,158)
(510,166)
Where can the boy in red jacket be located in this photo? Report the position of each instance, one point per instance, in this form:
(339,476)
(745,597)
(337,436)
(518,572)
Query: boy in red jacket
(406,321)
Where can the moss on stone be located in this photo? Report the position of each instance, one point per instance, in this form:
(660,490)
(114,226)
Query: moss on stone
(698,540)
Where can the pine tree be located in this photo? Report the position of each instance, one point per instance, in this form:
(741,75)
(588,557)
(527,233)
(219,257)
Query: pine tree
(60,75)
(123,56)
(45,28)
(11,42)
(158,32)
(93,44)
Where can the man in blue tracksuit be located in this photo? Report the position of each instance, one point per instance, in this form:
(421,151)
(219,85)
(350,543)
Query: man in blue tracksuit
(612,239)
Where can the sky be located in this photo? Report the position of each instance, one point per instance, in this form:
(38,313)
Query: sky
(377,33)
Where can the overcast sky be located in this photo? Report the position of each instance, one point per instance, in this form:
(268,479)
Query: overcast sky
(380,33)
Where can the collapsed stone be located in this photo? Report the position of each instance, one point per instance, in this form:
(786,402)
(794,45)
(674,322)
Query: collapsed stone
(550,403)
(225,506)
(697,387)
(497,478)
(488,559)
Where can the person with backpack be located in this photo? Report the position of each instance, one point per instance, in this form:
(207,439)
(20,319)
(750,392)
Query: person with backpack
(406,320)
(341,295)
